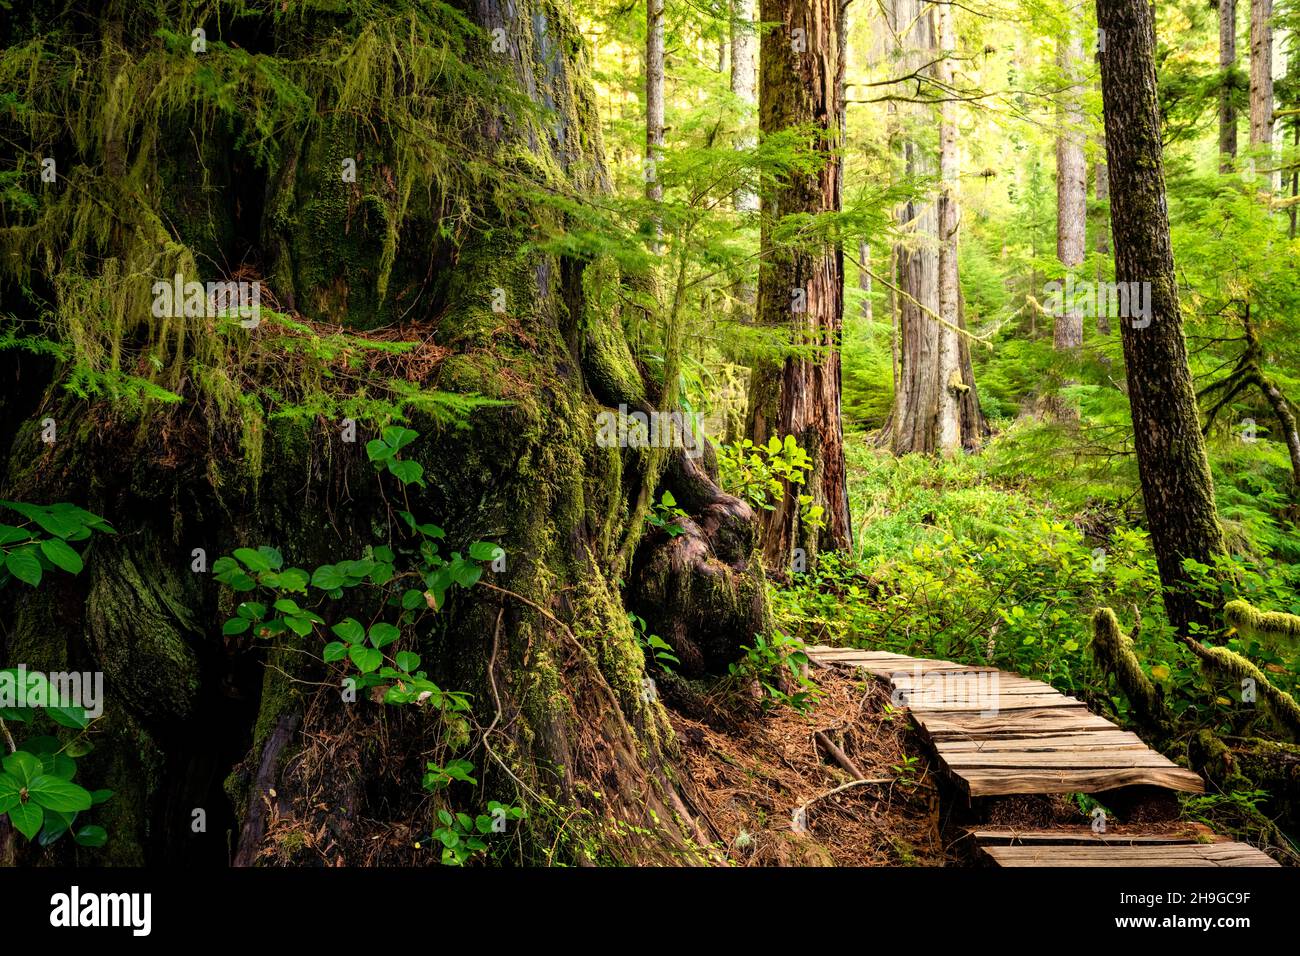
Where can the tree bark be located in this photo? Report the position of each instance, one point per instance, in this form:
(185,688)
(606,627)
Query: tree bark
(744,77)
(1071,188)
(864,282)
(1261,82)
(1101,192)
(926,393)
(654,98)
(744,85)
(799,288)
(948,426)
(1177,489)
(1228,71)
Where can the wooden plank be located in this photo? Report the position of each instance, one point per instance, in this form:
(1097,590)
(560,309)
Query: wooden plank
(1045,719)
(1175,855)
(1111,739)
(1083,836)
(993,782)
(994,705)
(1003,684)
(1058,760)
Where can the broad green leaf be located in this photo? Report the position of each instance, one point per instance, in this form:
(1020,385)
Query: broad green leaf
(91,836)
(253,610)
(27,818)
(367,659)
(61,555)
(466,574)
(23,766)
(10,792)
(383,634)
(55,793)
(397,437)
(68,716)
(56,824)
(9,534)
(24,565)
(407,660)
(255,561)
(294,579)
(236,625)
(335,651)
(327,578)
(350,629)
(407,472)
(485,551)
(273,557)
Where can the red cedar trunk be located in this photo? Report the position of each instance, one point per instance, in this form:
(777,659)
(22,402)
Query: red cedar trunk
(1261,76)
(802,289)
(1177,489)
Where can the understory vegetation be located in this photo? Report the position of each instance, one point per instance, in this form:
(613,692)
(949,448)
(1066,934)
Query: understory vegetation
(602,359)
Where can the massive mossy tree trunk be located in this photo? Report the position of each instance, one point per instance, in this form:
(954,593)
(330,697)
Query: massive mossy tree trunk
(801,289)
(379,170)
(1177,489)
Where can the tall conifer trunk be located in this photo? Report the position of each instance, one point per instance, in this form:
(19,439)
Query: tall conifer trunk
(1177,489)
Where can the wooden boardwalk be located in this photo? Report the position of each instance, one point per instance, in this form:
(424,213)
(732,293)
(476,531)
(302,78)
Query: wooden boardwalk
(998,734)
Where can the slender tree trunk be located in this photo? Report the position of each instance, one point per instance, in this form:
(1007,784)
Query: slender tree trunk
(1261,82)
(926,393)
(1228,71)
(1101,188)
(654,98)
(744,84)
(948,426)
(1177,489)
(799,288)
(1071,188)
(864,281)
(916,259)
(744,76)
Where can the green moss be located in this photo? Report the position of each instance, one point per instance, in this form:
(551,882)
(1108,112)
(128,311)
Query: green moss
(1113,650)
(1271,626)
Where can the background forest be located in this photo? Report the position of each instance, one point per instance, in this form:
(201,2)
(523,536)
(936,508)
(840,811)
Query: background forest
(880,250)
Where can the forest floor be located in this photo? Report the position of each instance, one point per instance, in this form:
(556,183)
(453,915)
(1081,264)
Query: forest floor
(749,781)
